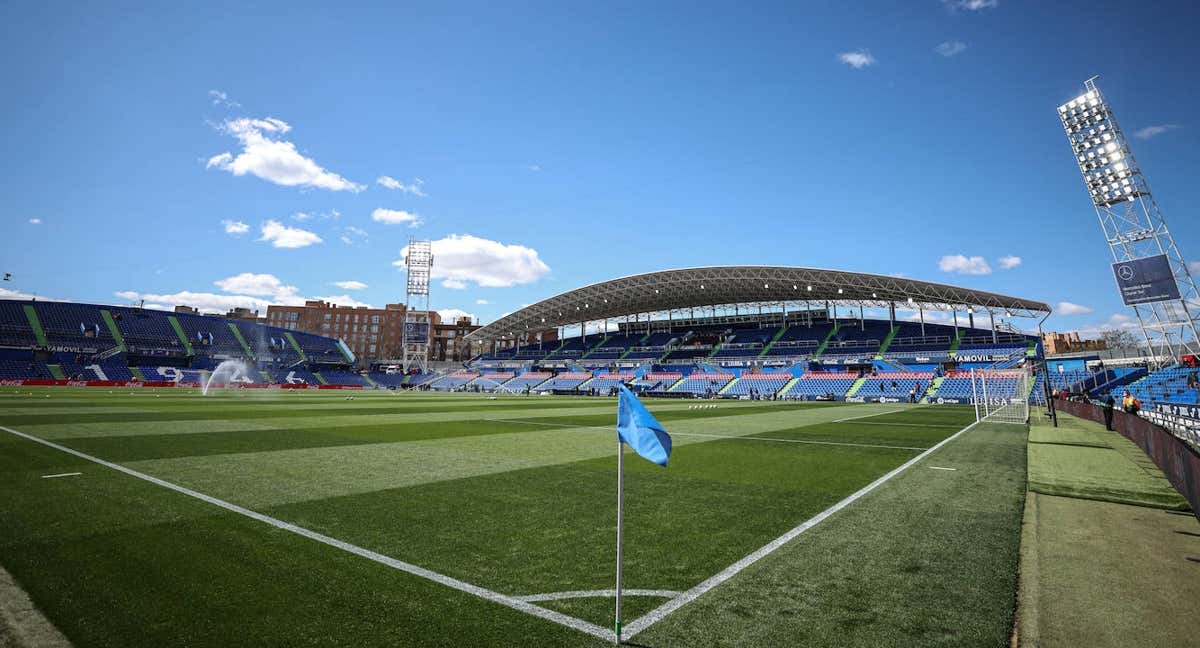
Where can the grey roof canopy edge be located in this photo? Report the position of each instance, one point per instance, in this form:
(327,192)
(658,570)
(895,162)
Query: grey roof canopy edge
(672,290)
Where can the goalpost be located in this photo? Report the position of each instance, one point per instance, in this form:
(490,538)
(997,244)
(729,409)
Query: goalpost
(1000,396)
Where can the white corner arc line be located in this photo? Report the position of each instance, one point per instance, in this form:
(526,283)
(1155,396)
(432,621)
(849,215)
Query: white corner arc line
(659,613)
(61,475)
(454,583)
(608,593)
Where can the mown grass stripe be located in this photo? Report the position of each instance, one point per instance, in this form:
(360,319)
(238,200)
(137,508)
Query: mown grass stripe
(692,594)
(462,586)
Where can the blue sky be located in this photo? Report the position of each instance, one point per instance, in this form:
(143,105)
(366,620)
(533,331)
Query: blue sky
(544,146)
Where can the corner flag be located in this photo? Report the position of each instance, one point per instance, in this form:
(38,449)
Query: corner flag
(636,426)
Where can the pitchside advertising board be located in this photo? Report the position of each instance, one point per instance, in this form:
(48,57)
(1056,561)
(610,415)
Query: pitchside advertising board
(1146,280)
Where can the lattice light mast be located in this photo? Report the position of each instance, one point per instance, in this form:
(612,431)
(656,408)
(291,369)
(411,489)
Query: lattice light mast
(418,262)
(1134,227)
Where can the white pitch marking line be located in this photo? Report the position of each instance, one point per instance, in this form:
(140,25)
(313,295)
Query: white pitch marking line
(462,586)
(941,468)
(60,475)
(900,424)
(610,593)
(855,418)
(722,436)
(663,610)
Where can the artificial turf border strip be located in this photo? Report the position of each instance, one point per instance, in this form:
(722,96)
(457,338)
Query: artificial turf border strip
(662,611)
(496,597)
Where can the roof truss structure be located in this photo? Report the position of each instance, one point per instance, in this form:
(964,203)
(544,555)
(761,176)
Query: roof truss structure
(750,287)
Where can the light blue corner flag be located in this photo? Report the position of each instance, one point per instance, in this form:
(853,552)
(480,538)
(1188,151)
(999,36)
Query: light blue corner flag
(637,427)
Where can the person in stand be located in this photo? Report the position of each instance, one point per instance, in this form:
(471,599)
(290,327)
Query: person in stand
(1129,403)
(1108,404)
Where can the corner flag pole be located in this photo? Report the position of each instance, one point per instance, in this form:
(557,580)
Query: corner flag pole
(620,529)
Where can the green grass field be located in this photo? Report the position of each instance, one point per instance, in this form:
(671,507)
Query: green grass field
(464,520)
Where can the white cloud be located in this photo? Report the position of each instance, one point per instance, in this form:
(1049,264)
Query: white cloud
(395,217)
(302,216)
(222,99)
(5,293)
(351,234)
(1194,266)
(970,5)
(950,49)
(248,283)
(282,236)
(960,264)
(245,290)
(35,221)
(235,227)
(205,301)
(482,302)
(350,285)
(533,167)
(461,259)
(1009,262)
(451,314)
(1067,308)
(1152,131)
(272,159)
(857,59)
(413,188)
(344,300)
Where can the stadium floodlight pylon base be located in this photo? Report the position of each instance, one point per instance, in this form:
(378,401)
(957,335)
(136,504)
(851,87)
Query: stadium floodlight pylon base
(995,402)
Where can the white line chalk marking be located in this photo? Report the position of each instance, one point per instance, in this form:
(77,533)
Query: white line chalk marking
(729,572)
(60,475)
(855,418)
(611,593)
(941,468)
(462,586)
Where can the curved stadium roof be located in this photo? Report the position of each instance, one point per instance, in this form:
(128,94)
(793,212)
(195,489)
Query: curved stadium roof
(674,290)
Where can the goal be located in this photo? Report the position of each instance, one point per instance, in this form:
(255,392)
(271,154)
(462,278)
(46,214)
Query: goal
(1001,396)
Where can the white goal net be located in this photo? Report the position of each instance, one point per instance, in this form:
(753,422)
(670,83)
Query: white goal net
(1001,395)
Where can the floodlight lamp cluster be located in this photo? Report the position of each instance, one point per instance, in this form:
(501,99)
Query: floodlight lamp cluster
(1099,149)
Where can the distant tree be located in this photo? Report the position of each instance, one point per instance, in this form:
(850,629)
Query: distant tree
(1120,339)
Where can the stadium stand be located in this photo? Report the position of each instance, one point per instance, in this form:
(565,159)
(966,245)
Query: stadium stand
(566,380)
(821,384)
(764,383)
(604,382)
(702,383)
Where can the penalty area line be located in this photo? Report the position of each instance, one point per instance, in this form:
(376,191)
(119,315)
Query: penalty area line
(661,612)
(462,586)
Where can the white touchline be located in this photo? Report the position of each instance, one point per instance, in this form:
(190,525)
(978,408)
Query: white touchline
(611,593)
(663,610)
(941,468)
(60,475)
(496,597)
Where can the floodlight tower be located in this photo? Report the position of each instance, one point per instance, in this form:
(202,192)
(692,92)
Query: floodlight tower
(418,262)
(1151,275)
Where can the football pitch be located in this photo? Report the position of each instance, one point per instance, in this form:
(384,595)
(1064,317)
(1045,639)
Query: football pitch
(141,517)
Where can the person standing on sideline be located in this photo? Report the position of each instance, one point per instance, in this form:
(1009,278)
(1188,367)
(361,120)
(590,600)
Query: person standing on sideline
(1108,404)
